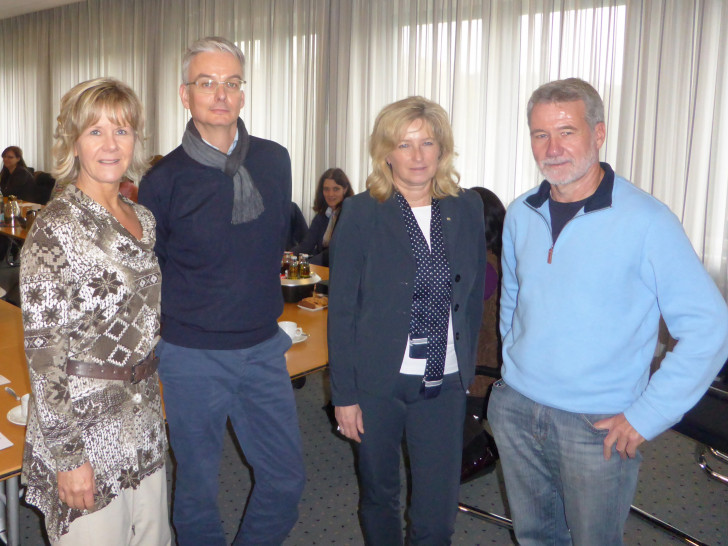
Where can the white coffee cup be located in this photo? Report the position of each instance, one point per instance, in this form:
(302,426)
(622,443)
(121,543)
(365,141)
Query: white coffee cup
(291,328)
(24,406)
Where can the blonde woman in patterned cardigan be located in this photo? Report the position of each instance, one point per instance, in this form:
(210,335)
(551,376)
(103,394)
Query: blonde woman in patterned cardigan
(90,288)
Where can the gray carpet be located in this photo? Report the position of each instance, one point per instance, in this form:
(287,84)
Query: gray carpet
(671,486)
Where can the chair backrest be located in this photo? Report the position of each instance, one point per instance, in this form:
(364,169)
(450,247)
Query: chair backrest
(706,422)
(44,184)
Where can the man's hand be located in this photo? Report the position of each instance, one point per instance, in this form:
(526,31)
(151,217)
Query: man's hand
(77,487)
(621,433)
(350,421)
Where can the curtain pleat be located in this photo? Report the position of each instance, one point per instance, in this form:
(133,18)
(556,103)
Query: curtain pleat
(319,71)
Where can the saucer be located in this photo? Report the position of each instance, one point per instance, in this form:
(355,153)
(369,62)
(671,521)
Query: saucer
(299,339)
(15,416)
(312,310)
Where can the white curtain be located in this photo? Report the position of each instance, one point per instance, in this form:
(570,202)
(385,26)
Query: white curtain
(319,71)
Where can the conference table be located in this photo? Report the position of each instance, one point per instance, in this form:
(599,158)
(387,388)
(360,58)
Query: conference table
(13,367)
(311,355)
(19,232)
(306,357)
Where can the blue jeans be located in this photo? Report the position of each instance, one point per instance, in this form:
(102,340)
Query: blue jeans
(202,388)
(434,432)
(560,489)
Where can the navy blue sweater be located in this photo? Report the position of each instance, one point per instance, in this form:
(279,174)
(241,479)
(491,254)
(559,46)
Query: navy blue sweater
(220,282)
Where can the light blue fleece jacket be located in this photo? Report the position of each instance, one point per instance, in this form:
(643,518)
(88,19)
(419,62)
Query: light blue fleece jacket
(579,331)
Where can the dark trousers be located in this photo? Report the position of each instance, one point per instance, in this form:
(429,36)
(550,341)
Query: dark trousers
(202,388)
(434,433)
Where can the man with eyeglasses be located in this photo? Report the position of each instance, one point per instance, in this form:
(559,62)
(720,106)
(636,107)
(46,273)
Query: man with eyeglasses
(222,202)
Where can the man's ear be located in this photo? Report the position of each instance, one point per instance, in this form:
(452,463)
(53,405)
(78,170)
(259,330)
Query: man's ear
(600,130)
(184,95)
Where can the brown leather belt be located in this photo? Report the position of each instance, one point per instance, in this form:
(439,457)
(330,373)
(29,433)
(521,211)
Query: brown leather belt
(134,374)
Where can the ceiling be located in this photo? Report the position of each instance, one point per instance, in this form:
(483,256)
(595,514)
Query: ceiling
(11,8)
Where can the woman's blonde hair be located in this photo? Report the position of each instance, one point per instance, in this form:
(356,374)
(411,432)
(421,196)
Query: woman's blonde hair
(83,106)
(389,128)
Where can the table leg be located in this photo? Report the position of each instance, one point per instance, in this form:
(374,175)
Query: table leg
(13,502)
(3,526)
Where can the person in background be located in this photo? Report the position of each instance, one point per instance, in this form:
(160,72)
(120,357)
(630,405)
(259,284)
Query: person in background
(332,188)
(128,189)
(90,283)
(299,228)
(222,203)
(15,177)
(405,304)
(489,342)
(589,264)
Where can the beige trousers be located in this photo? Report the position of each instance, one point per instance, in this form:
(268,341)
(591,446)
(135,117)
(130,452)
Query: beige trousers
(137,517)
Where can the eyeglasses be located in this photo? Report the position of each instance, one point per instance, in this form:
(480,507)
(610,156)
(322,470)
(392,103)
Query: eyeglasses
(208,85)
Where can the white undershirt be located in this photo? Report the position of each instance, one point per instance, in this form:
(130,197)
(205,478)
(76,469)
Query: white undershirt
(416,366)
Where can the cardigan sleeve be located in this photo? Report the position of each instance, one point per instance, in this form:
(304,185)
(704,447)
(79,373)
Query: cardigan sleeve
(45,278)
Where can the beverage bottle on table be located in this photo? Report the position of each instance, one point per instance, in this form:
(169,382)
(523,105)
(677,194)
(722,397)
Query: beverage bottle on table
(293,269)
(304,269)
(286,263)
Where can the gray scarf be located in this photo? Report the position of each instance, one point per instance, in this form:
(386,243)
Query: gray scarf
(247,202)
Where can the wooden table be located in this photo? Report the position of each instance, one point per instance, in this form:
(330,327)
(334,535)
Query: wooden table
(311,355)
(15,232)
(20,232)
(12,366)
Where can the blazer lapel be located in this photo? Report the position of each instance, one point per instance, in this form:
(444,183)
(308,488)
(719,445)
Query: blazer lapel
(391,218)
(451,225)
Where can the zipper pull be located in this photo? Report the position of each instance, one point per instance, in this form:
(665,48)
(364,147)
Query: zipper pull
(551,253)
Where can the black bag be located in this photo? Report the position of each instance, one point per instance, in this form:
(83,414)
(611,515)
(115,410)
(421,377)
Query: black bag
(479,450)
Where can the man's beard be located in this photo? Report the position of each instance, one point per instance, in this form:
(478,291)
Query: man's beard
(577,170)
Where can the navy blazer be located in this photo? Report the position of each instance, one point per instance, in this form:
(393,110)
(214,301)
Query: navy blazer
(371,284)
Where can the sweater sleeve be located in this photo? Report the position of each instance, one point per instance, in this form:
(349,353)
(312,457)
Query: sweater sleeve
(150,196)
(45,278)
(509,281)
(695,314)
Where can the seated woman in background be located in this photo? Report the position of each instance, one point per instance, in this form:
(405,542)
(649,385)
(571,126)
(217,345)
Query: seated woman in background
(90,283)
(479,452)
(333,187)
(489,343)
(15,178)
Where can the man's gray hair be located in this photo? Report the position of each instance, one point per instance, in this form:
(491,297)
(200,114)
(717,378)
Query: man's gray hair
(210,44)
(570,90)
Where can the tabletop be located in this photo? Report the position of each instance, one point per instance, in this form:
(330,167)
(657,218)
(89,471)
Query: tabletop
(20,232)
(310,355)
(12,366)
(16,232)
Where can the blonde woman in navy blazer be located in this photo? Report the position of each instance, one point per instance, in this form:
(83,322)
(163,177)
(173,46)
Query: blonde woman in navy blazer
(379,394)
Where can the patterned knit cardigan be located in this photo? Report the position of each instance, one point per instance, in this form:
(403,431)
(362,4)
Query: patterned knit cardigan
(90,291)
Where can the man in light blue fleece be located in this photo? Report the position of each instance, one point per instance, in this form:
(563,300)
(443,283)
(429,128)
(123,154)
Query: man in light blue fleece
(589,264)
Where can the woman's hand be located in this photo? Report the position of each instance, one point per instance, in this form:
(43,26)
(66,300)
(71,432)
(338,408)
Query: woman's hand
(77,487)
(350,421)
